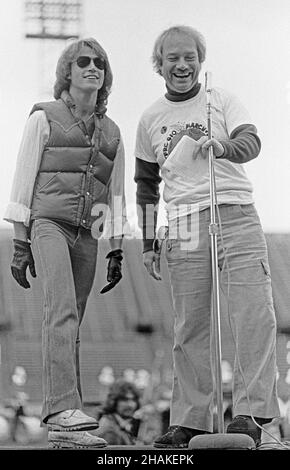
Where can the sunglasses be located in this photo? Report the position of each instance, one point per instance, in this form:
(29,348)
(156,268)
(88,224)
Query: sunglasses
(83,61)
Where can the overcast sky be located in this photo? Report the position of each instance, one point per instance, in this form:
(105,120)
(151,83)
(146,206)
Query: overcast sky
(248,53)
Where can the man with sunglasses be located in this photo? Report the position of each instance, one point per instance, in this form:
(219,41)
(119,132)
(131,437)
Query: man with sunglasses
(70,170)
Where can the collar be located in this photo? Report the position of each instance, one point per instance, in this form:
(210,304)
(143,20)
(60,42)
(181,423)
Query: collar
(69,101)
(88,127)
(175,96)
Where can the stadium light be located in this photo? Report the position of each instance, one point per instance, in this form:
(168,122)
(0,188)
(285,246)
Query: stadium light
(52,19)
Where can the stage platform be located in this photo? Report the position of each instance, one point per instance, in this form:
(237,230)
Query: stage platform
(132,457)
(135,448)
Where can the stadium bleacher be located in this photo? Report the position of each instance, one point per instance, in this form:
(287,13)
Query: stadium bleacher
(126,327)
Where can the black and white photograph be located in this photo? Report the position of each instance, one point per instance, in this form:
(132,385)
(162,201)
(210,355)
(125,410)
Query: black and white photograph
(145,231)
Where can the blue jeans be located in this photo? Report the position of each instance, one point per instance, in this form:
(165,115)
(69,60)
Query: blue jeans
(65,259)
(245,280)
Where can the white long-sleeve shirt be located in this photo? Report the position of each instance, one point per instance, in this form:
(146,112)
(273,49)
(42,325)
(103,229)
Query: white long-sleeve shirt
(35,137)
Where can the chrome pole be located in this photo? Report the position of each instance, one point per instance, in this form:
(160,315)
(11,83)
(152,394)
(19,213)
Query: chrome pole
(213,232)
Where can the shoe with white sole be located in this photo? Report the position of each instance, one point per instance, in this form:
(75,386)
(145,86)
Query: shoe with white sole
(71,420)
(74,440)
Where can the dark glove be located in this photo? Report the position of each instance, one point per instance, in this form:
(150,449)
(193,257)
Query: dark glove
(161,235)
(22,258)
(114,274)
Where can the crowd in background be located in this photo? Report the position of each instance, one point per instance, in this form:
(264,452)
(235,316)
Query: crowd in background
(134,410)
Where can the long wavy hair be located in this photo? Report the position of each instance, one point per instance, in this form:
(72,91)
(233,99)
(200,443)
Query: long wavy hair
(119,389)
(63,70)
(188,31)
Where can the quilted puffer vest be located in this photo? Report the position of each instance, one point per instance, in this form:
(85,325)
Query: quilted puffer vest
(75,170)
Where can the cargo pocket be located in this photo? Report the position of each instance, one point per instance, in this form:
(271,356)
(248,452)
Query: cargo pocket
(248,282)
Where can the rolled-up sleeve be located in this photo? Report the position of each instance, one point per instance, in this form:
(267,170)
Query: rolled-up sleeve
(116,224)
(34,139)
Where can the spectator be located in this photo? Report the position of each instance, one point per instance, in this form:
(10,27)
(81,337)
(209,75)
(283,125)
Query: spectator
(117,424)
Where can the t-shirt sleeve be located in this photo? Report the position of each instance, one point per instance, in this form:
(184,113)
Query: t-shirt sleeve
(243,143)
(143,147)
(235,113)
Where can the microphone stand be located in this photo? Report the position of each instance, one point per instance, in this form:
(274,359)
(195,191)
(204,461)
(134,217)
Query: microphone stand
(213,232)
(220,440)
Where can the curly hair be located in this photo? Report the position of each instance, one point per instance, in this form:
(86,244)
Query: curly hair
(188,31)
(117,391)
(63,70)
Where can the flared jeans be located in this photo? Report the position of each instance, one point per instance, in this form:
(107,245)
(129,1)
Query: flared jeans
(245,281)
(65,259)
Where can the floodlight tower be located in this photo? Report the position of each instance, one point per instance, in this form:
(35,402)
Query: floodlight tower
(52,23)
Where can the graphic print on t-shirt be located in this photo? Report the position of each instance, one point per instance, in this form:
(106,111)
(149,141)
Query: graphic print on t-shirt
(182,150)
(193,130)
